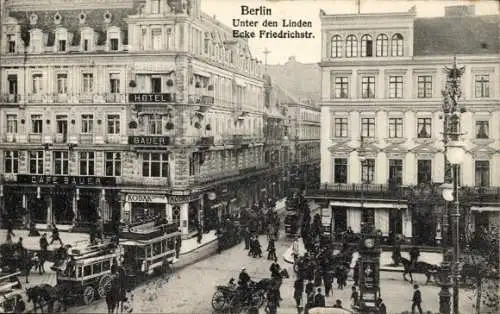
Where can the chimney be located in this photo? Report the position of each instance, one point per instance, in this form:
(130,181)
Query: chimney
(460,10)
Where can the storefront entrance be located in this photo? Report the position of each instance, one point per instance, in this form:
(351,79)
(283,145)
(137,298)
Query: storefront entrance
(145,211)
(88,206)
(37,208)
(340,221)
(62,207)
(395,224)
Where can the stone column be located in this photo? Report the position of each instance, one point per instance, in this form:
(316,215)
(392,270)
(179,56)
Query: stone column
(184,218)
(74,205)
(168,209)
(50,218)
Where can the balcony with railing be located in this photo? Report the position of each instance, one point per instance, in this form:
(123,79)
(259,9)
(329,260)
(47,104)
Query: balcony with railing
(10,98)
(35,138)
(415,193)
(10,138)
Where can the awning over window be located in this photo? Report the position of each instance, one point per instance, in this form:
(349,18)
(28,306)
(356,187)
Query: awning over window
(239,82)
(485,209)
(368,204)
(161,68)
(202,73)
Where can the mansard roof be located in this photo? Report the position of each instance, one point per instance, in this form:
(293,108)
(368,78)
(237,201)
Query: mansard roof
(447,35)
(70,20)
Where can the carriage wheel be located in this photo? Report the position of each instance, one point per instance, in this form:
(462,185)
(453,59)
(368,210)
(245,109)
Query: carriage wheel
(104,286)
(88,295)
(218,301)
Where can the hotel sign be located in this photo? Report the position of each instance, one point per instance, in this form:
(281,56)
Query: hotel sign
(65,180)
(148,97)
(149,140)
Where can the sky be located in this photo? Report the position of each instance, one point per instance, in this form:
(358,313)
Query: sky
(308,50)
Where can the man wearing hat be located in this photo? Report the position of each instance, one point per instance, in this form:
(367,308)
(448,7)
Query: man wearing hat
(243,281)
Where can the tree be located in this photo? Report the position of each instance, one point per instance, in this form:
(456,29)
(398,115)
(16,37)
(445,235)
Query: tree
(481,266)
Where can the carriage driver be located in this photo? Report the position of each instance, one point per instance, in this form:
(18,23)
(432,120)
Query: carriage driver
(243,282)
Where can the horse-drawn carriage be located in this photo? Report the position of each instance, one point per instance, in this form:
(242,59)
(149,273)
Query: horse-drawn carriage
(87,272)
(10,292)
(146,252)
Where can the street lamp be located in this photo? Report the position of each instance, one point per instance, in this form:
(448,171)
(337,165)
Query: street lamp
(455,154)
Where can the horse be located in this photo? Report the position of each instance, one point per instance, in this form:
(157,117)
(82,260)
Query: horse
(43,294)
(420,268)
(267,284)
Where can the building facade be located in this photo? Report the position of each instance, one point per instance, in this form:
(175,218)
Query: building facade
(129,108)
(382,155)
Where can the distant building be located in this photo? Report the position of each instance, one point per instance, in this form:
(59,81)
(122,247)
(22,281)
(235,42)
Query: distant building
(304,79)
(382,77)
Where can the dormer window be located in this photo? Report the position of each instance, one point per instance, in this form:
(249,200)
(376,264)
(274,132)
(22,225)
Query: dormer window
(155,6)
(62,40)
(61,45)
(113,44)
(11,39)
(88,39)
(36,40)
(114,39)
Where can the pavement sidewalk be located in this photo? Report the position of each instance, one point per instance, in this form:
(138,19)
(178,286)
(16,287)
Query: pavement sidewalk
(385,258)
(33,243)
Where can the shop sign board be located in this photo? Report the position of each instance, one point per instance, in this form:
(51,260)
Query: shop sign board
(145,198)
(156,198)
(149,140)
(65,180)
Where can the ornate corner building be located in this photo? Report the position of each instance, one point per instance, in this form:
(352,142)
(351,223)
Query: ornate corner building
(131,109)
(381,120)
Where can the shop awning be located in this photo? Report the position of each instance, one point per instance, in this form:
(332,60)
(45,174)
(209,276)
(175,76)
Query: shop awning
(368,204)
(239,82)
(202,73)
(485,209)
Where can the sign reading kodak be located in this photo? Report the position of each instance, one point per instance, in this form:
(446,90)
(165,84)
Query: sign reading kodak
(56,179)
(149,140)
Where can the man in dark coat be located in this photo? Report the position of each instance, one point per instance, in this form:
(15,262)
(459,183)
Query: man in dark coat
(271,249)
(417,300)
(381,306)
(243,282)
(319,299)
(44,244)
(414,255)
(327,279)
(298,290)
(55,235)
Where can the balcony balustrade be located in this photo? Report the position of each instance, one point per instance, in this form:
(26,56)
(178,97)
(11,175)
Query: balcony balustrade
(86,138)
(11,138)
(61,138)
(429,193)
(10,98)
(200,99)
(35,138)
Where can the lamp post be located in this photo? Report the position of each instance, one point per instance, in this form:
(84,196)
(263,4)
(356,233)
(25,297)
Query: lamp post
(454,154)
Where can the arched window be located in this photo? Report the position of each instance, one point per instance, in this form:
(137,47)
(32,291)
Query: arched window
(397,45)
(351,46)
(366,46)
(382,45)
(336,47)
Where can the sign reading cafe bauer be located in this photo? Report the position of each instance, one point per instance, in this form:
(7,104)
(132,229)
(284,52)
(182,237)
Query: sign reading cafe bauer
(149,140)
(57,179)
